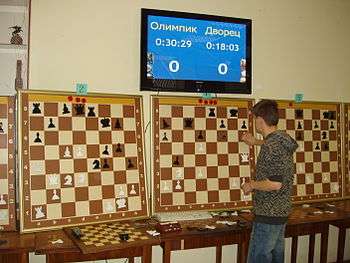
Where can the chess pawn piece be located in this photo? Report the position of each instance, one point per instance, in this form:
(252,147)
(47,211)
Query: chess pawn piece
(51,125)
(132,191)
(2,200)
(55,196)
(67,153)
(37,139)
(244,126)
(178,186)
(164,137)
(119,149)
(65,109)
(106,150)
(222,125)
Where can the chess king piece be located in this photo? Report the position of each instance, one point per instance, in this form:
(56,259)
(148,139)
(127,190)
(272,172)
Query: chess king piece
(16,39)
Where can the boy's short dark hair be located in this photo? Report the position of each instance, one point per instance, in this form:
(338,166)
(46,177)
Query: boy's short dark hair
(268,110)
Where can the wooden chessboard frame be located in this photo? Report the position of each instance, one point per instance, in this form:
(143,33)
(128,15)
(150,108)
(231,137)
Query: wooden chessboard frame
(155,167)
(346,153)
(27,224)
(321,106)
(8,167)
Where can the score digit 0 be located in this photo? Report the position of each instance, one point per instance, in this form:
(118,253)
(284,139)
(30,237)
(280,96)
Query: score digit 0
(174,66)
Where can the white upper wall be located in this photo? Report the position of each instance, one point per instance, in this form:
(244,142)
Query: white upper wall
(299,46)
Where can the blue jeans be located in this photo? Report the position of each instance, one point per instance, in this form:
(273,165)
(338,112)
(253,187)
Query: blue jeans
(266,243)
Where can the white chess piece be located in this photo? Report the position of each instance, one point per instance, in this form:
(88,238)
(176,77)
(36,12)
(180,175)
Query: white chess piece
(308,180)
(81,179)
(244,157)
(80,152)
(67,153)
(200,173)
(335,188)
(55,195)
(121,202)
(132,191)
(178,186)
(68,180)
(200,147)
(234,184)
(39,213)
(121,192)
(53,179)
(2,201)
(178,174)
(166,187)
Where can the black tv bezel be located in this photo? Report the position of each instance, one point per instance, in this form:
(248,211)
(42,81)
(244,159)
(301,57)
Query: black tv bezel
(195,86)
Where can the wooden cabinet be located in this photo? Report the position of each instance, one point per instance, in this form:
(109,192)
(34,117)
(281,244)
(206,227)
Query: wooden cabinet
(13,58)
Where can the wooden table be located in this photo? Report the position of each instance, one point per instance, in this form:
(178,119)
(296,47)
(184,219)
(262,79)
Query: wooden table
(17,247)
(342,224)
(303,221)
(195,235)
(68,251)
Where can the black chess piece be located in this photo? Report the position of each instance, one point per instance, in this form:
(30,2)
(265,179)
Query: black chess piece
(96,164)
(119,148)
(164,137)
(299,126)
(65,109)
(326,146)
(324,135)
(244,126)
(326,115)
(1,129)
(165,125)
(332,125)
(233,112)
(200,136)
(79,109)
(211,112)
(222,125)
(316,125)
(176,161)
(91,112)
(188,122)
(130,164)
(106,150)
(105,164)
(36,109)
(37,139)
(105,122)
(317,146)
(51,125)
(117,124)
(299,114)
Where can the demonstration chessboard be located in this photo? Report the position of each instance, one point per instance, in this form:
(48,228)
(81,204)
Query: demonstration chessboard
(82,159)
(7,164)
(105,237)
(347,150)
(199,162)
(316,127)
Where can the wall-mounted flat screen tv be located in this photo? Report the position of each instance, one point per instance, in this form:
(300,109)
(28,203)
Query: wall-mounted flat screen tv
(186,52)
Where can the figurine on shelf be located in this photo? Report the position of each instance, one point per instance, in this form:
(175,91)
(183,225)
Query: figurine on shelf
(16,39)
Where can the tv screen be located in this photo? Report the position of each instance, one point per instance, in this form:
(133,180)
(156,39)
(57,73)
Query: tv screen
(186,52)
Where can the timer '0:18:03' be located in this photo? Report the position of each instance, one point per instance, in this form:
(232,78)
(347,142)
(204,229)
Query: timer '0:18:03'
(222,46)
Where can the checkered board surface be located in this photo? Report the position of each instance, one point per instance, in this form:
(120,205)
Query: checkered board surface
(199,163)
(347,150)
(7,164)
(316,128)
(104,237)
(82,159)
